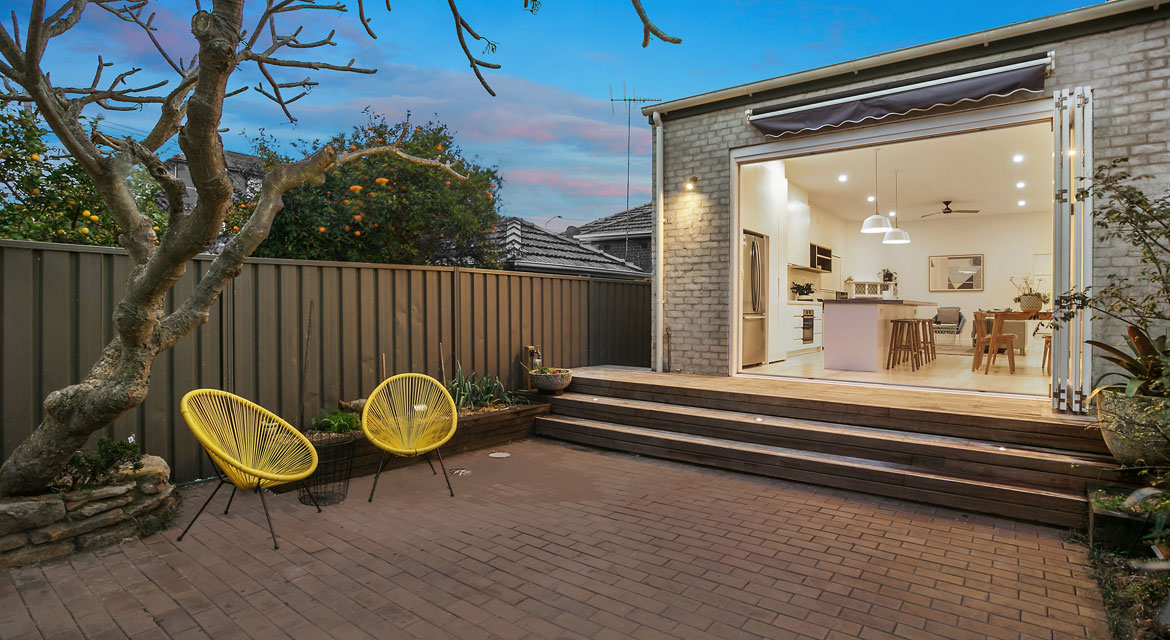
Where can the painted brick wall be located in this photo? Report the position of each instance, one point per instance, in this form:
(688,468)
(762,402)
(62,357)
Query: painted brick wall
(1127,68)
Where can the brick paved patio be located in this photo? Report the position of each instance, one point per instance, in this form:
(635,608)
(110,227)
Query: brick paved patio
(558,541)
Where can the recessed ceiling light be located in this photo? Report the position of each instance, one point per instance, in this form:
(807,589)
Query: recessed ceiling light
(870,199)
(842,178)
(1020,185)
(893,213)
(1021,203)
(1017,158)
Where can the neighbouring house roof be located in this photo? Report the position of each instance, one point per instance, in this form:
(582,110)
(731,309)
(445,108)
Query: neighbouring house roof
(1094,18)
(524,246)
(246,173)
(635,221)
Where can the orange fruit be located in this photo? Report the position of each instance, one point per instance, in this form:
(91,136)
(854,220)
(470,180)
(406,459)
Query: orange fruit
(84,231)
(448,183)
(85,213)
(36,157)
(345,202)
(155,227)
(355,188)
(438,147)
(93,218)
(235,228)
(357,233)
(36,192)
(347,228)
(381,180)
(357,218)
(352,148)
(320,229)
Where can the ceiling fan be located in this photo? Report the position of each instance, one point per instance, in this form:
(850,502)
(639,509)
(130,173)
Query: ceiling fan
(947,210)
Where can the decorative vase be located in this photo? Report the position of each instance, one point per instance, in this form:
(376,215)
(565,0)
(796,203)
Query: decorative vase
(551,382)
(1031,302)
(1135,428)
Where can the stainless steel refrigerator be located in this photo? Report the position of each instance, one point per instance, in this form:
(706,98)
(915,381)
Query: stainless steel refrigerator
(754,285)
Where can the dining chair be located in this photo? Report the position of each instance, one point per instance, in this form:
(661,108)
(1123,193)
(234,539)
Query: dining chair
(985,341)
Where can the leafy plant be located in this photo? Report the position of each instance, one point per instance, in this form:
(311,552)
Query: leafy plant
(472,391)
(548,371)
(338,422)
(887,275)
(1145,371)
(87,468)
(802,288)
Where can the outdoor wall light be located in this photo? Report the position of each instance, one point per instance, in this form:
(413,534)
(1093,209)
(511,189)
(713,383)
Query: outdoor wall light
(691,182)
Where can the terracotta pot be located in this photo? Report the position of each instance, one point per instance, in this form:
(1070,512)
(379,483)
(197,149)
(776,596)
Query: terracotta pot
(1136,429)
(1031,302)
(551,382)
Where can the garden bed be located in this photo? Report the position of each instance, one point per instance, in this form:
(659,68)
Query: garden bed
(476,430)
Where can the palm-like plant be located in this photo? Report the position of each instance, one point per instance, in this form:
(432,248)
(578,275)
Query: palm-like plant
(1145,370)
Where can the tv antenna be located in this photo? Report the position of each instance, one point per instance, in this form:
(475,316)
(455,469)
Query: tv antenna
(629,102)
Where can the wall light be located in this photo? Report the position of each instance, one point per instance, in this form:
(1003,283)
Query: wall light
(691,182)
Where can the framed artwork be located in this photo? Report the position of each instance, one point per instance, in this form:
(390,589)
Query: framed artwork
(956,273)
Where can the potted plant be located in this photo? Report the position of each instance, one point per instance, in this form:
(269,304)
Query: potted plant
(887,275)
(550,380)
(1134,411)
(800,289)
(1029,299)
(333,435)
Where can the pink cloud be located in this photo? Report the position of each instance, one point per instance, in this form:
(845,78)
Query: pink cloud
(573,186)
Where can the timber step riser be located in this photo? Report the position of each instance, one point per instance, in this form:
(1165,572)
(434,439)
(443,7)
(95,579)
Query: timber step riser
(886,446)
(1060,510)
(1038,433)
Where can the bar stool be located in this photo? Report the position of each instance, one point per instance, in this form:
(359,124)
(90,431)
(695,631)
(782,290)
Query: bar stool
(924,331)
(905,343)
(1046,358)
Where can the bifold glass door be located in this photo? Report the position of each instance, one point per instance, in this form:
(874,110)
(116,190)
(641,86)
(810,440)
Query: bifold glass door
(1072,245)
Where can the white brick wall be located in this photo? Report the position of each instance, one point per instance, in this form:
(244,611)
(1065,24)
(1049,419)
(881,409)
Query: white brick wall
(1127,68)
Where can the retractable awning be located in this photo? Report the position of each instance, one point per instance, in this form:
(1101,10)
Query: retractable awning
(1001,79)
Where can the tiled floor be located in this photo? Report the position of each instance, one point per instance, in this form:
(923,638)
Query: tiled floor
(557,541)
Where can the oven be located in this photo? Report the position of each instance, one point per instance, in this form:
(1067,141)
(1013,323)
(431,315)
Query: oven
(806,326)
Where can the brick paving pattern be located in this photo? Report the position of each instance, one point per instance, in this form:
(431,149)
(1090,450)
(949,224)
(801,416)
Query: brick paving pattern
(562,542)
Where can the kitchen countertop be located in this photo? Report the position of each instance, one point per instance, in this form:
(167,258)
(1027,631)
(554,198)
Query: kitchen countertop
(909,303)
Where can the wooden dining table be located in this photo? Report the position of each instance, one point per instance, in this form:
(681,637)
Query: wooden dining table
(1001,316)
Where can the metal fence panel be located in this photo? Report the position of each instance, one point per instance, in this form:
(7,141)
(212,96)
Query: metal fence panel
(297,336)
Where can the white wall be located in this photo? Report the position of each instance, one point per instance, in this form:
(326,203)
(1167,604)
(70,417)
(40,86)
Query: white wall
(1007,243)
(763,200)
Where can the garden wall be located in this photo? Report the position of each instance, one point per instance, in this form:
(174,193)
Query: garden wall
(297,336)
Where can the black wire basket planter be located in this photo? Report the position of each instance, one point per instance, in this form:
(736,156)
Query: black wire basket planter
(330,482)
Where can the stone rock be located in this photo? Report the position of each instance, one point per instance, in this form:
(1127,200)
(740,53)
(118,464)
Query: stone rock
(35,554)
(70,506)
(150,488)
(110,535)
(13,541)
(154,470)
(19,514)
(95,508)
(100,493)
(63,530)
(149,503)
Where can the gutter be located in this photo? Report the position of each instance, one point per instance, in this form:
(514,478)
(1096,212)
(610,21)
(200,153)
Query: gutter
(660,245)
(981,38)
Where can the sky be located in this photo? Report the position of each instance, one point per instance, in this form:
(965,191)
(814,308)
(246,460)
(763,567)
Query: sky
(554,135)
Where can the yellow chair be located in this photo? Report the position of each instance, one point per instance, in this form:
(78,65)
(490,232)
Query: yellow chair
(252,446)
(409,415)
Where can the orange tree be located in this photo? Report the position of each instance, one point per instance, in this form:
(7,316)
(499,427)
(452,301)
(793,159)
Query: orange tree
(384,208)
(46,196)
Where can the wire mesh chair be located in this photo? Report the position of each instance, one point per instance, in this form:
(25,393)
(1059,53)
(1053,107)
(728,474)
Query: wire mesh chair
(410,415)
(250,446)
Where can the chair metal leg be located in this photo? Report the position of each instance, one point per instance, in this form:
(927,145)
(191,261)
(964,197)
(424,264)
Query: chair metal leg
(444,467)
(200,512)
(230,498)
(433,472)
(311,496)
(265,504)
(376,476)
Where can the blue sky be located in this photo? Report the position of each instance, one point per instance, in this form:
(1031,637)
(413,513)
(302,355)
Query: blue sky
(551,130)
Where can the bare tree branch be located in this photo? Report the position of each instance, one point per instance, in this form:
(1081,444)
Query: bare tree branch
(461,26)
(648,27)
(132,13)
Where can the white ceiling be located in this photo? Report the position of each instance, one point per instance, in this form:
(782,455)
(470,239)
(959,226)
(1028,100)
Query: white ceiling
(973,170)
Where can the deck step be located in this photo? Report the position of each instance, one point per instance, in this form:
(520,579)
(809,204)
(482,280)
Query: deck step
(973,458)
(854,406)
(1014,500)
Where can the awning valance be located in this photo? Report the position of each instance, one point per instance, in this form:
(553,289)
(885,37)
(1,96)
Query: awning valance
(919,94)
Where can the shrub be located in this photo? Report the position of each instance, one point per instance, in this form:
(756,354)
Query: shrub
(472,392)
(338,422)
(87,468)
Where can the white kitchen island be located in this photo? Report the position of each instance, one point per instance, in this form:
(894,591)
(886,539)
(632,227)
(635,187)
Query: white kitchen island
(857,331)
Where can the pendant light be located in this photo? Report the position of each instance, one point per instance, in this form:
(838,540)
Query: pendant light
(896,235)
(877,223)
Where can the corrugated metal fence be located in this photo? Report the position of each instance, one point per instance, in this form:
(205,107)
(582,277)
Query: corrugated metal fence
(296,336)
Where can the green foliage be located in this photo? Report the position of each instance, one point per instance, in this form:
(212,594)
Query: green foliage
(87,468)
(45,195)
(1145,370)
(338,422)
(1132,597)
(383,208)
(802,288)
(472,392)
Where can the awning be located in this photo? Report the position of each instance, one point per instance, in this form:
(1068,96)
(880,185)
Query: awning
(917,94)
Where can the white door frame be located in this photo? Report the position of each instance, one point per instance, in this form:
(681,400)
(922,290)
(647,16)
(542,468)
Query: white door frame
(1010,115)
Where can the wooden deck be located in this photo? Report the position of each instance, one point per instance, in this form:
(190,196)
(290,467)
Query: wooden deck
(992,454)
